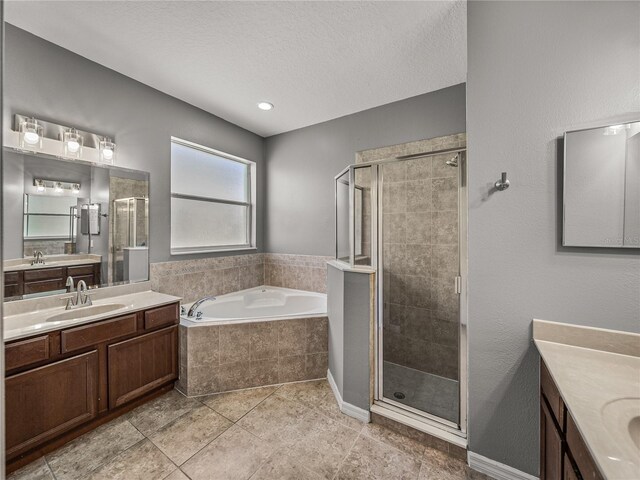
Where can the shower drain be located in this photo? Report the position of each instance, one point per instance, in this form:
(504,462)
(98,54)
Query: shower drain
(399,395)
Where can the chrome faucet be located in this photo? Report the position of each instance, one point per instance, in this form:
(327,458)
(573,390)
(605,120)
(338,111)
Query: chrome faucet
(82,299)
(196,304)
(69,284)
(38,258)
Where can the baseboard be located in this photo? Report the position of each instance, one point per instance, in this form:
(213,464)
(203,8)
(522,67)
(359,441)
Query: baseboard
(346,408)
(496,470)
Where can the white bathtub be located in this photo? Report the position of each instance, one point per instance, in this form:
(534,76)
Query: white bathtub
(259,304)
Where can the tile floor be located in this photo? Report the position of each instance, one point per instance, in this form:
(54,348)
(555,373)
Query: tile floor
(293,431)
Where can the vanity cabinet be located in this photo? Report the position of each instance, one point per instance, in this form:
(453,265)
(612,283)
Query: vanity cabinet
(563,453)
(63,383)
(47,401)
(45,279)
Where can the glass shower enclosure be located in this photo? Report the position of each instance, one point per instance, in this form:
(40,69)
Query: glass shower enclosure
(130,230)
(402,216)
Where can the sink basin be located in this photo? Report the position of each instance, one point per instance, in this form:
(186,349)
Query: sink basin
(83,312)
(622,419)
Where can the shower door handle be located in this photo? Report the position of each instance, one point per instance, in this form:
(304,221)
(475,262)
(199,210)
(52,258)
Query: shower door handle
(458,285)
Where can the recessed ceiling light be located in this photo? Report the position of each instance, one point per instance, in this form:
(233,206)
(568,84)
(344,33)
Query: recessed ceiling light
(265,105)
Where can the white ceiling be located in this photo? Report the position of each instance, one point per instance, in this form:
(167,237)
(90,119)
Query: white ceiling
(313,60)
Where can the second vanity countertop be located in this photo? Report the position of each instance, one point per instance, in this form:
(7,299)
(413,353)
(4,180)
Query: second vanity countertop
(50,261)
(29,317)
(597,373)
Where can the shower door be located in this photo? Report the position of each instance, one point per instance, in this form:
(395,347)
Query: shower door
(419,285)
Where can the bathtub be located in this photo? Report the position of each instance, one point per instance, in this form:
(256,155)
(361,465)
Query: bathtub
(259,304)
(255,337)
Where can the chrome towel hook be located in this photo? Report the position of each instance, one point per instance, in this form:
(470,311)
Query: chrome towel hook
(503,183)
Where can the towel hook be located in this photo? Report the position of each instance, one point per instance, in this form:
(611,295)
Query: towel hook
(503,183)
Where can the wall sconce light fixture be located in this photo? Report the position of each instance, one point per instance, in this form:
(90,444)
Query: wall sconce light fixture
(72,143)
(57,186)
(31,133)
(107,151)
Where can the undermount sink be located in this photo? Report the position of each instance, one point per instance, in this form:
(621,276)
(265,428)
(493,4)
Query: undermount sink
(82,312)
(623,415)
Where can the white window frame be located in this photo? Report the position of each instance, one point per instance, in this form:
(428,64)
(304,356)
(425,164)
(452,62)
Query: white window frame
(250,203)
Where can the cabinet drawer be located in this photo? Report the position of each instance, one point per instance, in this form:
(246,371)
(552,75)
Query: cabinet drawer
(43,274)
(92,334)
(585,463)
(26,352)
(11,278)
(551,393)
(47,401)
(142,364)
(43,286)
(161,316)
(80,270)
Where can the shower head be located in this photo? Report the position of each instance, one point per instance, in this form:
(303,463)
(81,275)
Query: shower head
(452,162)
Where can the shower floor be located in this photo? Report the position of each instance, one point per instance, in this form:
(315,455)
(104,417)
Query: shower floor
(429,393)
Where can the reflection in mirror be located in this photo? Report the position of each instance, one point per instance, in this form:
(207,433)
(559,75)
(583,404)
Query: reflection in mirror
(71,219)
(601,193)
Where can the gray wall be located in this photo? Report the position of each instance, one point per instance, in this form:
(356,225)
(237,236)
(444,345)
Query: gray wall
(535,70)
(349,312)
(54,84)
(302,163)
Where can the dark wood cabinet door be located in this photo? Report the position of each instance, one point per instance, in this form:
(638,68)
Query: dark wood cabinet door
(141,364)
(569,470)
(44,402)
(550,445)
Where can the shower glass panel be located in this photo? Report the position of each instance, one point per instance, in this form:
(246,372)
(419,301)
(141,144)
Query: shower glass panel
(130,229)
(420,263)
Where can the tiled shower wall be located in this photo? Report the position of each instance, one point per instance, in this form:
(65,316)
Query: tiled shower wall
(193,279)
(420,217)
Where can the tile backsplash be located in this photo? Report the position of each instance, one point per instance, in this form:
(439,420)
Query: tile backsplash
(193,279)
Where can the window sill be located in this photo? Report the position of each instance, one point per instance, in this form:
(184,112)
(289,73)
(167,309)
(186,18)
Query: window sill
(212,250)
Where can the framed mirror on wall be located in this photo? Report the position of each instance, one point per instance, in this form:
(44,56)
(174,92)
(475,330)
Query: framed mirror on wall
(66,221)
(601,187)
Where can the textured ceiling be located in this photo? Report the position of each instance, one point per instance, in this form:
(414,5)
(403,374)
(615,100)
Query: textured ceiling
(313,60)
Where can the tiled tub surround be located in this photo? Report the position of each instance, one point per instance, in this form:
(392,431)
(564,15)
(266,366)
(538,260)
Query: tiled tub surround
(420,216)
(301,272)
(193,279)
(220,358)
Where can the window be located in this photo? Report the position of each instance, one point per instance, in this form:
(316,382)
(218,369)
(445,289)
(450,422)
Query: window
(212,206)
(48,216)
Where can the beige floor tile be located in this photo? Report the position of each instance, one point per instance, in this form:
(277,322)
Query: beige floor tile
(307,393)
(36,470)
(273,419)
(322,443)
(394,439)
(177,475)
(158,412)
(143,461)
(372,460)
(437,465)
(283,467)
(78,458)
(188,434)
(234,405)
(328,406)
(236,454)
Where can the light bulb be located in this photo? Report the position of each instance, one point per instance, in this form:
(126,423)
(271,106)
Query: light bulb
(265,105)
(31,137)
(107,153)
(73,146)
(58,187)
(75,188)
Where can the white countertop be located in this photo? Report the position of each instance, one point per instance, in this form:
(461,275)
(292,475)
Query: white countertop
(50,261)
(594,384)
(27,323)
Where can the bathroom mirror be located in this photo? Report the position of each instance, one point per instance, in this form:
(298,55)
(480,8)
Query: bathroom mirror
(601,194)
(66,218)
